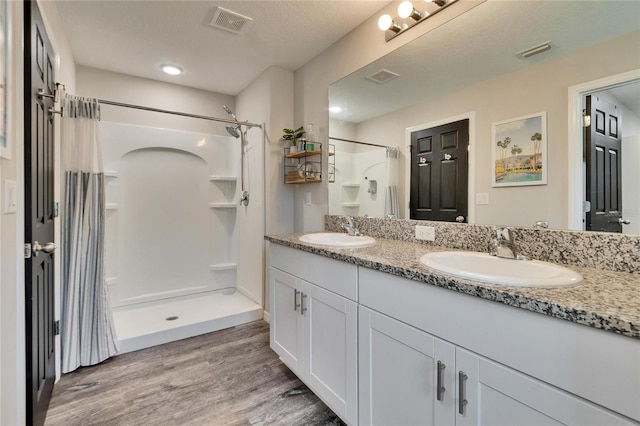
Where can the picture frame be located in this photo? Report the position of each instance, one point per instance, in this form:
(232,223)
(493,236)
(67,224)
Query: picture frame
(5,145)
(519,151)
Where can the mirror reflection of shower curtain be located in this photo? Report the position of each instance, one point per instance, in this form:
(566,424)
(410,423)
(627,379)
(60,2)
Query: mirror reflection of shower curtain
(87,333)
(391,207)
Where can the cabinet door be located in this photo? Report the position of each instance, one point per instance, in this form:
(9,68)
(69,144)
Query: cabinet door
(398,373)
(287,322)
(331,344)
(497,395)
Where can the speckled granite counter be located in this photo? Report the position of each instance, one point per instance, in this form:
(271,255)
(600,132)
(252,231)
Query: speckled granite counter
(605,299)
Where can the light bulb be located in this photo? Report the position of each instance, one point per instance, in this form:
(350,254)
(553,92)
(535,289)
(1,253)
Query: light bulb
(385,22)
(335,109)
(405,9)
(172,69)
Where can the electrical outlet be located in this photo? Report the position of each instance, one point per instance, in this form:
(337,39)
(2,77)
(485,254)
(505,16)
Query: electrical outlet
(426,233)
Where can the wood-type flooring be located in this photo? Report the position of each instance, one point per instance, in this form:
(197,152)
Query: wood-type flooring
(229,377)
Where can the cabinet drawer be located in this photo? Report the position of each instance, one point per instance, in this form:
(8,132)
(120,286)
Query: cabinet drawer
(333,275)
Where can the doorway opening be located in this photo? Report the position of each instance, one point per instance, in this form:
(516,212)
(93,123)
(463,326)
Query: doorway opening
(469,117)
(576,166)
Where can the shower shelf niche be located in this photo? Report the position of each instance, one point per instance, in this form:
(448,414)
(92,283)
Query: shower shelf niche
(303,166)
(223,178)
(228,266)
(223,205)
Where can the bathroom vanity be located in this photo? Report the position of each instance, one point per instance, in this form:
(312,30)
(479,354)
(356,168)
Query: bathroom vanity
(382,339)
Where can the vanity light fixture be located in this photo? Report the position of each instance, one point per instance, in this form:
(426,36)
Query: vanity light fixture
(386,23)
(335,109)
(406,10)
(409,16)
(171,69)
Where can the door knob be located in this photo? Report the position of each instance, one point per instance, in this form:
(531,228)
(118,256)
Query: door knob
(622,221)
(46,248)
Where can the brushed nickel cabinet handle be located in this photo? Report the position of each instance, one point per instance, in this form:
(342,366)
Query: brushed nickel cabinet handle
(461,401)
(302,308)
(295,300)
(440,389)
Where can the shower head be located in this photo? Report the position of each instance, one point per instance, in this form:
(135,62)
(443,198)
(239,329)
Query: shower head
(228,111)
(233,131)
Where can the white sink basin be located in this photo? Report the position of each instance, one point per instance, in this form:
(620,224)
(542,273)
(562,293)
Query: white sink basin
(496,270)
(337,239)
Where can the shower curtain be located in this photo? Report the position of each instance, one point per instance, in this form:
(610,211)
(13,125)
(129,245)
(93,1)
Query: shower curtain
(86,326)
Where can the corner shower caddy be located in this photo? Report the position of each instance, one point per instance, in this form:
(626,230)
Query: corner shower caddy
(303,166)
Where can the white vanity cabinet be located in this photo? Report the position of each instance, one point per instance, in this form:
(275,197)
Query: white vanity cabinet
(314,324)
(401,369)
(491,394)
(502,365)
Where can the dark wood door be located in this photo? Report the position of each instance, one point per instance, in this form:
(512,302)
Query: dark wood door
(603,167)
(39,214)
(439,170)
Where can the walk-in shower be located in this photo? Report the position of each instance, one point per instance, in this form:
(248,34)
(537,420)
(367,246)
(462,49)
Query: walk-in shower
(172,233)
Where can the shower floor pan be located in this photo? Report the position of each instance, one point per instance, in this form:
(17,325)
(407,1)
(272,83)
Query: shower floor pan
(150,324)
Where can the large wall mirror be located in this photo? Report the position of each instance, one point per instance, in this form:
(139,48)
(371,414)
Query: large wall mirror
(468,69)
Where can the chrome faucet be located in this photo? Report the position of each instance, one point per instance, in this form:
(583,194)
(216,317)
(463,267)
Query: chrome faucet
(503,245)
(350,226)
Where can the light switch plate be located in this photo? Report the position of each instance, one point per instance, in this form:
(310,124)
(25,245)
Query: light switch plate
(482,198)
(9,197)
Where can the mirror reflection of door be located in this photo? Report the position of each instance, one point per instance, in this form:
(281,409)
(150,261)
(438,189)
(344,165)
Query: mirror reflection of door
(439,170)
(603,151)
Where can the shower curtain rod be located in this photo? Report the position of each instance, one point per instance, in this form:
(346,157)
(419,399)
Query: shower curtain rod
(361,143)
(183,114)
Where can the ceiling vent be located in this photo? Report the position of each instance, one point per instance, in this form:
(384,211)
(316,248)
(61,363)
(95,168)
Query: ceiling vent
(230,21)
(382,76)
(527,53)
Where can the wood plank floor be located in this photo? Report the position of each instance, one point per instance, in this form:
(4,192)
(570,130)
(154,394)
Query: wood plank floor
(230,377)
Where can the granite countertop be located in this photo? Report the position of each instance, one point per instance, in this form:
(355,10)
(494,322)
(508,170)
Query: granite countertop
(606,300)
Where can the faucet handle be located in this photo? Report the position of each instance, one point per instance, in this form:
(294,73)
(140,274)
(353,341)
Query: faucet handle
(493,247)
(503,233)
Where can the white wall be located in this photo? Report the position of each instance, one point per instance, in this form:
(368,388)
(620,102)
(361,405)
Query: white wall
(268,100)
(111,86)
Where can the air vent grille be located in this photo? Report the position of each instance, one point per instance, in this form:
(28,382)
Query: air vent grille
(230,21)
(527,53)
(382,76)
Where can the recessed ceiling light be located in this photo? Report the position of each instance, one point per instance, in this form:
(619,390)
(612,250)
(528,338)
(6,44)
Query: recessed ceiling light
(171,69)
(335,109)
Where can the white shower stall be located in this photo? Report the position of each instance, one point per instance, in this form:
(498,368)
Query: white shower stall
(171,233)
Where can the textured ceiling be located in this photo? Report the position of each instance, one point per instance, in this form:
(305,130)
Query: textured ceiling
(136,37)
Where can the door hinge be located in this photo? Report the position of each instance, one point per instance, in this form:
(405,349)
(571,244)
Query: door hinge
(27,251)
(56,328)
(56,209)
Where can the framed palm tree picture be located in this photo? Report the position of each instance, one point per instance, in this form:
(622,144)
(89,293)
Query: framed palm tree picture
(519,151)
